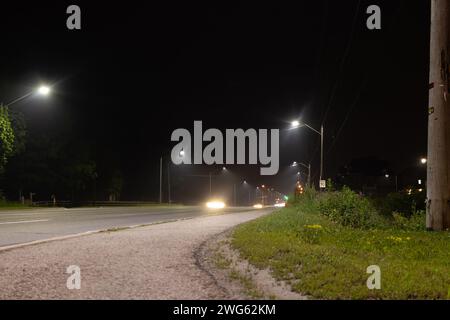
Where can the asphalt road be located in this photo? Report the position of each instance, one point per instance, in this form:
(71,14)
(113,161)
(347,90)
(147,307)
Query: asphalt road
(158,261)
(21,226)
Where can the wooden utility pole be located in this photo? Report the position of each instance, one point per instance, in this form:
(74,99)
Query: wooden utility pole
(438,171)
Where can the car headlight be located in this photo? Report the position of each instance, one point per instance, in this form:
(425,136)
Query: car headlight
(215,205)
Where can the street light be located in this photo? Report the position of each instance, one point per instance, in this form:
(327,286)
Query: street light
(308,166)
(424,160)
(181,155)
(387,176)
(42,90)
(298,124)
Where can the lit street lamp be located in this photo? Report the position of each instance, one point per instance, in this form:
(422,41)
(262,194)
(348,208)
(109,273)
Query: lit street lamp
(297,124)
(181,155)
(42,90)
(387,176)
(308,166)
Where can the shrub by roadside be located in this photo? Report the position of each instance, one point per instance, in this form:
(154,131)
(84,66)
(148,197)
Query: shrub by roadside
(348,208)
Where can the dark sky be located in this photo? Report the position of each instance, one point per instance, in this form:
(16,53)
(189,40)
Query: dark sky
(137,70)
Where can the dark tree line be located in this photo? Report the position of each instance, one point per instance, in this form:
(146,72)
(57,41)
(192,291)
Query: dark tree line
(53,163)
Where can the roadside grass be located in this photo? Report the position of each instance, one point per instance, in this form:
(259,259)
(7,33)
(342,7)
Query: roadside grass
(326,260)
(8,205)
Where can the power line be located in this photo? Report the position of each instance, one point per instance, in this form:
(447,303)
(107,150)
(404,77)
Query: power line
(342,64)
(364,82)
(352,107)
(341,69)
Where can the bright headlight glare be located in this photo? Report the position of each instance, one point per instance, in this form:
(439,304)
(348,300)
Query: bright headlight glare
(215,205)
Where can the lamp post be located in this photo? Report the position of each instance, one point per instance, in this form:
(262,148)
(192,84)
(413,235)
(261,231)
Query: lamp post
(298,124)
(387,176)
(308,166)
(182,153)
(42,90)
(160,179)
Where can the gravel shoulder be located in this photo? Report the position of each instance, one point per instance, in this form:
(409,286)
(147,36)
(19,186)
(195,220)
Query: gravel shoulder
(152,262)
(236,276)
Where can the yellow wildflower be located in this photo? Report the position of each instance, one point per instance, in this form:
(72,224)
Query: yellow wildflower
(314,226)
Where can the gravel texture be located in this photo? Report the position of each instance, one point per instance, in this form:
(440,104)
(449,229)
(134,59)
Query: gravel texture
(153,262)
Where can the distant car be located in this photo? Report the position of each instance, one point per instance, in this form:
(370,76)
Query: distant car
(215,204)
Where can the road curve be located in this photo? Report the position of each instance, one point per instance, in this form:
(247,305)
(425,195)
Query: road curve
(152,262)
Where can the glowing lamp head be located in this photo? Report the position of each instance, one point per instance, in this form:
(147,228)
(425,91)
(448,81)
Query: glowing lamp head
(43,90)
(295,124)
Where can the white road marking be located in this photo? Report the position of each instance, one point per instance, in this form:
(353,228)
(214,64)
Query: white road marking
(24,221)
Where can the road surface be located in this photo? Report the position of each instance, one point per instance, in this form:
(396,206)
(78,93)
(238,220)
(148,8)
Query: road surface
(20,226)
(151,262)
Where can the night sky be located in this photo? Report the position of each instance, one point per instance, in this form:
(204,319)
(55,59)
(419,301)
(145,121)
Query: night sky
(136,71)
